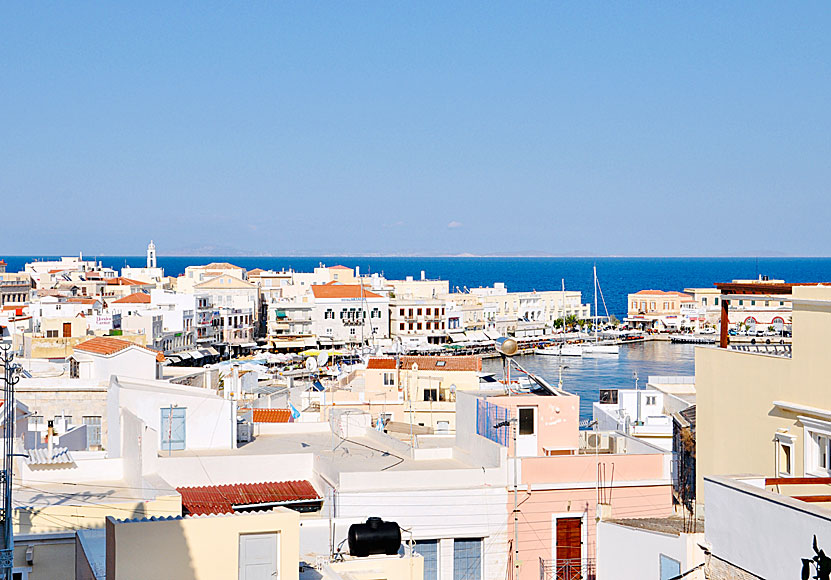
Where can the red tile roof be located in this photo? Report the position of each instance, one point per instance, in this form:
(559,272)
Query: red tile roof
(339,267)
(342,291)
(81,300)
(107,345)
(450,363)
(122,281)
(221,499)
(272,415)
(134,298)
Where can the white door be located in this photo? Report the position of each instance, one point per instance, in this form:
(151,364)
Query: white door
(258,557)
(526,436)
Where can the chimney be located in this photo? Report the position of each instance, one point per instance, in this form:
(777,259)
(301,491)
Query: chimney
(50,435)
(423,277)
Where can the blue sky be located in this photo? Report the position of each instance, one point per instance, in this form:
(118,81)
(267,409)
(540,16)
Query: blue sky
(418,128)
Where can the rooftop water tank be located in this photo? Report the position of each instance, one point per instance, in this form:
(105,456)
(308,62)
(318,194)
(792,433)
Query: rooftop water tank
(374,537)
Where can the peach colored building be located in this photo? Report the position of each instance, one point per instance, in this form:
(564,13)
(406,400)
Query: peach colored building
(568,479)
(420,390)
(670,310)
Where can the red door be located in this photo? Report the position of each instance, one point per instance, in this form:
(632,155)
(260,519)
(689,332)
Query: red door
(67,329)
(569,540)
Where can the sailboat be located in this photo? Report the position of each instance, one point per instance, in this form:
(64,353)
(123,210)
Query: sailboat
(595,348)
(562,349)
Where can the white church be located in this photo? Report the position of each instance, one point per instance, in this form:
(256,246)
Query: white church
(151,273)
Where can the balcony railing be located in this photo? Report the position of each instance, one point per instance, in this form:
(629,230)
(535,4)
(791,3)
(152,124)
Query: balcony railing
(568,569)
(783,350)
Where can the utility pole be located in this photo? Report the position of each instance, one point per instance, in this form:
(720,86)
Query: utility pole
(512,423)
(10,377)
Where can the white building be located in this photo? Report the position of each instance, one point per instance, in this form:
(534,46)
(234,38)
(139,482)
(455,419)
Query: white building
(348,314)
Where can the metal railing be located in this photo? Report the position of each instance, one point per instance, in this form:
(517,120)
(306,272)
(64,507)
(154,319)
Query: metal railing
(568,569)
(783,350)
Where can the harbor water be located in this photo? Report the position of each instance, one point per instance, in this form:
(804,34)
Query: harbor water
(585,376)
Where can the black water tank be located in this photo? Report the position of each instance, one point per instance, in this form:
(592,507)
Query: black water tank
(374,537)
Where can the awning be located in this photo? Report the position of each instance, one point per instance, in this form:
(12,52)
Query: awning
(174,358)
(212,351)
(205,352)
(196,354)
(248,344)
(41,456)
(457,337)
(183,355)
(492,334)
(478,335)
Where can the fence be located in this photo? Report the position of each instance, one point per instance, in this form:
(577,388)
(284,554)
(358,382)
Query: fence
(488,415)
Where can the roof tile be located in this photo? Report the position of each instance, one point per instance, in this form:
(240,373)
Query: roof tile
(107,345)
(342,291)
(450,363)
(221,499)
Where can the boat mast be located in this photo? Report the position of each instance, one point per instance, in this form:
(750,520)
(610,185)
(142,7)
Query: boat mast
(595,303)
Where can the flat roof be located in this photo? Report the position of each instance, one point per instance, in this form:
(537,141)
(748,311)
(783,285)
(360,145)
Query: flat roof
(670,525)
(355,454)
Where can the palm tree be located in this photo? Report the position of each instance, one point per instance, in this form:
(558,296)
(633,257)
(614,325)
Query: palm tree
(571,321)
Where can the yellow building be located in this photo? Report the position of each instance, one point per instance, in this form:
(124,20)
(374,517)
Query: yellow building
(195,548)
(766,409)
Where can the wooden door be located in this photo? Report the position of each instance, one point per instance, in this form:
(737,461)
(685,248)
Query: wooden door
(67,329)
(569,548)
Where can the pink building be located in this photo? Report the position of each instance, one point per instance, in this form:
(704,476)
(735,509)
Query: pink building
(567,479)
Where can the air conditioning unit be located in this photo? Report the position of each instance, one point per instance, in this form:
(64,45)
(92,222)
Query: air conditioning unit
(597,441)
(245,432)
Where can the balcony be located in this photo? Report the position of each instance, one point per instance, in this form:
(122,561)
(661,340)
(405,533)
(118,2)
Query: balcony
(568,569)
(783,350)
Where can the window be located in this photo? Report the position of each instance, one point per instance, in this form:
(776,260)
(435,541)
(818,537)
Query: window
(753,303)
(329,314)
(817,446)
(467,559)
(352,331)
(418,312)
(428,311)
(400,312)
(429,550)
(93,423)
(173,428)
(670,568)
(51,334)
(650,399)
(74,369)
(431,394)
(715,301)
(389,379)
(401,326)
(704,301)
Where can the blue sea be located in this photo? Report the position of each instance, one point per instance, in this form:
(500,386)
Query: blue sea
(618,276)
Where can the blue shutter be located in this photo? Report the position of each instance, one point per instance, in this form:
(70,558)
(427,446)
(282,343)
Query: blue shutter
(173,428)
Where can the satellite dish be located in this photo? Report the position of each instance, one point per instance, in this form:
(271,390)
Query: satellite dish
(311,364)
(322,359)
